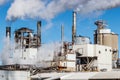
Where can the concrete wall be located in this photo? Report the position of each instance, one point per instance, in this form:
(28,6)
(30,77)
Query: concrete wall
(69,63)
(104,57)
(14,75)
(85,50)
(71,57)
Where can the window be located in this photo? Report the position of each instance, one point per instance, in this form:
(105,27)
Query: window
(64,65)
(105,49)
(99,52)
(110,50)
(24,58)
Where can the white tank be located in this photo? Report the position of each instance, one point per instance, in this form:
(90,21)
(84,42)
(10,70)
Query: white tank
(14,75)
(82,40)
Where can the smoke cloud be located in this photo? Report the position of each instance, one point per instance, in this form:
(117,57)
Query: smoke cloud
(11,55)
(48,9)
(2,2)
(97,5)
(47,53)
(38,8)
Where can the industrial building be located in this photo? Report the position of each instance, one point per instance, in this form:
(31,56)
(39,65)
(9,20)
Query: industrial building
(77,56)
(104,36)
(25,50)
(93,57)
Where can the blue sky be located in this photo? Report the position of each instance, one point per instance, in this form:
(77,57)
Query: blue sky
(85,25)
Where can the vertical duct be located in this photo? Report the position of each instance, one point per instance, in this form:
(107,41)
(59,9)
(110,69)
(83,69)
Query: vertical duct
(8,32)
(74,27)
(39,33)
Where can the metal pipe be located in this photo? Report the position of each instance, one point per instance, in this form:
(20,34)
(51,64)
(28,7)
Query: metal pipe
(74,27)
(62,37)
(8,32)
(39,33)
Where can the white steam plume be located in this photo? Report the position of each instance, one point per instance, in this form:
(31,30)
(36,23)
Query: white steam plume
(2,2)
(47,53)
(48,9)
(39,8)
(98,5)
(11,55)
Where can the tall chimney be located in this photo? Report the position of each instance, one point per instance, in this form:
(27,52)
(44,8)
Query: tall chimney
(62,33)
(8,32)
(39,33)
(62,38)
(74,27)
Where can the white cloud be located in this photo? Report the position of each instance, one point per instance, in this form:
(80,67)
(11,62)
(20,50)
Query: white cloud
(48,9)
(25,8)
(97,5)
(39,8)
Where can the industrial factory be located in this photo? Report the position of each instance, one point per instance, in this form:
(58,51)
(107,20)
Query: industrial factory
(78,57)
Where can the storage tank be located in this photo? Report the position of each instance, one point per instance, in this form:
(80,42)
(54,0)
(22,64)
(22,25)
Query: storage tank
(108,39)
(79,40)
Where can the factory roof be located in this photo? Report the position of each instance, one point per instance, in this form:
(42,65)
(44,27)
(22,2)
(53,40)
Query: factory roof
(49,76)
(24,29)
(107,75)
(80,75)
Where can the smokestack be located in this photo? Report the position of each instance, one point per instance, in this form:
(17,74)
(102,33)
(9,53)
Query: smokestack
(74,27)
(8,32)
(62,33)
(62,38)
(39,33)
